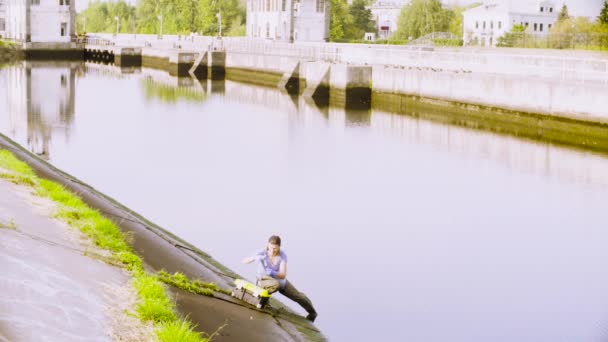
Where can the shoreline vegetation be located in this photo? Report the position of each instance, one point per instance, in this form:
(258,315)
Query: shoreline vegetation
(153,301)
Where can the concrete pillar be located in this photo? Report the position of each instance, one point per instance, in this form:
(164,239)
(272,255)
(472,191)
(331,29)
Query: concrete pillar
(199,68)
(217,65)
(180,63)
(127,57)
(350,86)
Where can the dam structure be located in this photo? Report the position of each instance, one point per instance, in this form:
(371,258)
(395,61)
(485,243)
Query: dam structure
(547,83)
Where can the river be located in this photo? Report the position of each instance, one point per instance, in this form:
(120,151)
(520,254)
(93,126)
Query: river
(397,228)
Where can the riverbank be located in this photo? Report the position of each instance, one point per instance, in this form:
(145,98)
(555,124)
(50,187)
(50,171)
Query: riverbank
(9,52)
(54,283)
(160,250)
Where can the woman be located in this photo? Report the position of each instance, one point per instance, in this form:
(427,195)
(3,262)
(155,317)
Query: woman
(272,274)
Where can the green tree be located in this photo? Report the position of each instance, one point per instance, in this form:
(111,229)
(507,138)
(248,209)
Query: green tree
(421,17)
(603,17)
(563,14)
(101,17)
(339,20)
(456,26)
(512,38)
(362,19)
(208,9)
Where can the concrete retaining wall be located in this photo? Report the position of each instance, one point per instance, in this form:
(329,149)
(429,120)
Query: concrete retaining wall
(577,100)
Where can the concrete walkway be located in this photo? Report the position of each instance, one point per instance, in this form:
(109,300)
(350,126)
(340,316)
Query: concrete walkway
(50,290)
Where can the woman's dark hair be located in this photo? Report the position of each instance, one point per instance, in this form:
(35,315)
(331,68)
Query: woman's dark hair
(275,240)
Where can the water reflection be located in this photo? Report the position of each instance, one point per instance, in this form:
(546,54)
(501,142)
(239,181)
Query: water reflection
(457,226)
(40,102)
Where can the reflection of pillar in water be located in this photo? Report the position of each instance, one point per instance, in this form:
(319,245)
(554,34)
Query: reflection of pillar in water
(217,86)
(358,117)
(41,101)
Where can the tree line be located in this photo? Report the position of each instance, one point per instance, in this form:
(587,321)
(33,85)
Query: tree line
(348,22)
(177,16)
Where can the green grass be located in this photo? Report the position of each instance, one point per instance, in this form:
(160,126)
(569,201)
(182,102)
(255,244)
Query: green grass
(153,303)
(10,225)
(178,331)
(181,281)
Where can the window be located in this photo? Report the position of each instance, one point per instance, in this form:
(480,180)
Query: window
(541,27)
(549,27)
(2,24)
(535,27)
(320,6)
(267,5)
(542,8)
(477,24)
(551,9)
(492,24)
(499,25)
(64,29)
(284,5)
(527,24)
(35,2)
(484,25)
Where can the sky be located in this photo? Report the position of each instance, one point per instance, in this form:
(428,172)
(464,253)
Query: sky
(588,8)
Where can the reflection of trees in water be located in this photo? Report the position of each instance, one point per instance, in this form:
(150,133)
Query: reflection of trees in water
(184,89)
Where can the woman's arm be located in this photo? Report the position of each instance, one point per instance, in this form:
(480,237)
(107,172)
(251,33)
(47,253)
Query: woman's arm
(282,270)
(248,260)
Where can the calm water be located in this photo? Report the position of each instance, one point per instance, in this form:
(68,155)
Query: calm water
(398,229)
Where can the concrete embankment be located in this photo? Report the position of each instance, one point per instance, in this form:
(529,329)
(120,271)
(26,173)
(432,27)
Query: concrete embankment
(161,250)
(53,286)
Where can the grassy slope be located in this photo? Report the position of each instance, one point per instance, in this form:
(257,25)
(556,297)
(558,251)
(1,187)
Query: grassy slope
(154,303)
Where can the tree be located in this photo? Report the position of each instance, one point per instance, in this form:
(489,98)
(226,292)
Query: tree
(563,14)
(603,18)
(339,21)
(512,38)
(422,17)
(456,26)
(362,19)
(101,17)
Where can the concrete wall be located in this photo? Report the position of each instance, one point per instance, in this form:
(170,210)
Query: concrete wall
(586,101)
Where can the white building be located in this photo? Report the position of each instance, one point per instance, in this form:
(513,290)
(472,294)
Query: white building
(43,21)
(483,25)
(288,20)
(2,18)
(386,13)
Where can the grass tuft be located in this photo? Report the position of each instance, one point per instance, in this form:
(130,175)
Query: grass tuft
(181,281)
(182,331)
(11,163)
(154,303)
(10,225)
